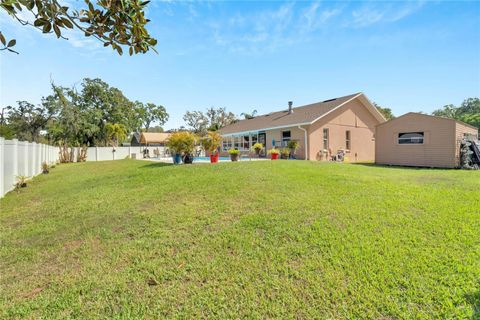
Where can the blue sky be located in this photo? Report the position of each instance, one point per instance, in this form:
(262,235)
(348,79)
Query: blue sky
(409,56)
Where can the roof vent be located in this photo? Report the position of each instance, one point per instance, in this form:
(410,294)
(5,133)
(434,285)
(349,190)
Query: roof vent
(290,109)
(330,100)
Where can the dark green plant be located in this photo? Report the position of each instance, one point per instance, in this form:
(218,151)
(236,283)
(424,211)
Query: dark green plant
(114,23)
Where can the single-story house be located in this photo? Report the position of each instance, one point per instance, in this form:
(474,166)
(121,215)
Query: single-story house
(421,140)
(322,129)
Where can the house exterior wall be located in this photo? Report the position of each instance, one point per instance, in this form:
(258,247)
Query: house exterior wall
(354,117)
(295,134)
(438,150)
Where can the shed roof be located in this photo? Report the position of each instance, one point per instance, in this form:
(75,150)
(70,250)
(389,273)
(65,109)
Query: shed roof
(153,137)
(417,114)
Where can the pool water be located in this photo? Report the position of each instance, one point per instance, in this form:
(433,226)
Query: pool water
(208,159)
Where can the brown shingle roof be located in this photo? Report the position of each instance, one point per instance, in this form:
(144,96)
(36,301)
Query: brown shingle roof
(300,115)
(154,137)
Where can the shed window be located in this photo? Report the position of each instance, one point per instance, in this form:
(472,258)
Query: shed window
(347,140)
(410,138)
(325,138)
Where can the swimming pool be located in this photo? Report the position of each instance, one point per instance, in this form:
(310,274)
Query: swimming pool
(208,159)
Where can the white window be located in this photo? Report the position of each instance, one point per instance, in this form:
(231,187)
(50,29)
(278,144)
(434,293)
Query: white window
(410,138)
(325,139)
(347,140)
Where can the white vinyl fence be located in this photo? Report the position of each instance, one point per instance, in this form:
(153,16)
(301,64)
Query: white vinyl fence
(107,153)
(21,158)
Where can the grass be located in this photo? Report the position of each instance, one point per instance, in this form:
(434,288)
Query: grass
(273,239)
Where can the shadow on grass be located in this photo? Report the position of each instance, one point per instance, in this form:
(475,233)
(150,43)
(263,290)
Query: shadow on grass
(474,300)
(156,165)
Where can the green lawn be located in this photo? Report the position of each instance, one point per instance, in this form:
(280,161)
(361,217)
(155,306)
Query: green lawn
(272,239)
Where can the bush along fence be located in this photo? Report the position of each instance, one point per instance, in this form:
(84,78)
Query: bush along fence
(21,160)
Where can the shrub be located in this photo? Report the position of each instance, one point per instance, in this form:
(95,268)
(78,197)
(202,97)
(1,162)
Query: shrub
(257,147)
(211,142)
(233,151)
(292,144)
(285,152)
(181,142)
(273,151)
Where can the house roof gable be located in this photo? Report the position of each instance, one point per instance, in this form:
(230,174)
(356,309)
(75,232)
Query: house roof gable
(303,115)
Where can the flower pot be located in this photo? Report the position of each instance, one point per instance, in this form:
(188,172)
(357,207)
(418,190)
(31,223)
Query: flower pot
(214,158)
(45,171)
(177,159)
(234,157)
(274,156)
(187,159)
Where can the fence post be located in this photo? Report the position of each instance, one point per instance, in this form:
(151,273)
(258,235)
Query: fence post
(129,152)
(2,153)
(32,160)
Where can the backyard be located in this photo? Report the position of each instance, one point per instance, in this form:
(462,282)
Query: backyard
(285,239)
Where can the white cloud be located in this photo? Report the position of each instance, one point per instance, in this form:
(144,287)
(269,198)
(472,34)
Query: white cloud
(380,13)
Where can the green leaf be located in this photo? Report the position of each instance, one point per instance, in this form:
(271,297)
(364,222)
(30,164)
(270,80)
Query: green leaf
(57,30)
(11,43)
(47,27)
(39,22)
(67,23)
(2,39)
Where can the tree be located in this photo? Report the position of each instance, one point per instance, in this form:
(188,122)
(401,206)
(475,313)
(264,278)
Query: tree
(114,23)
(152,113)
(27,120)
(249,115)
(116,133)
(386,112)
(468,111)
(196,120)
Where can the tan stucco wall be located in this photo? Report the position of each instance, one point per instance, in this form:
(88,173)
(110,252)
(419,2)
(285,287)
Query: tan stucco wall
(295,134)
(354,117)
(438,150)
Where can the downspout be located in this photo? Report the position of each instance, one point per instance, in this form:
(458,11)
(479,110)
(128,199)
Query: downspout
(306,141)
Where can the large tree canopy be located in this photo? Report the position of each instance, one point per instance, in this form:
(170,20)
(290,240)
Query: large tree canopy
(211,120)
(80,117)
(386,112)
(150,113)
(116,23)
(468,111)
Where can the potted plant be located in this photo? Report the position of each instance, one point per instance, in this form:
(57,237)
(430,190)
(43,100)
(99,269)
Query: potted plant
(211,143)
(257,147)
(284,153)
(181,145)
(274,153)
(189,141)
(45,167)
(234,154)
(293,146)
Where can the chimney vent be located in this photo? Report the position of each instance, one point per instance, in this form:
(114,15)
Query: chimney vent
(290,110)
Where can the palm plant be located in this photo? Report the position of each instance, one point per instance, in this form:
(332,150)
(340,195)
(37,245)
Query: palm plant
(115,132)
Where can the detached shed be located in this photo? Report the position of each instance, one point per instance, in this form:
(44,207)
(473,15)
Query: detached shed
(154,138)
(421,140)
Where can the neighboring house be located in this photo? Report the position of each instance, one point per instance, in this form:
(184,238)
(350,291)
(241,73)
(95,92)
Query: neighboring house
(322,129)
(135,142)
(421,140)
